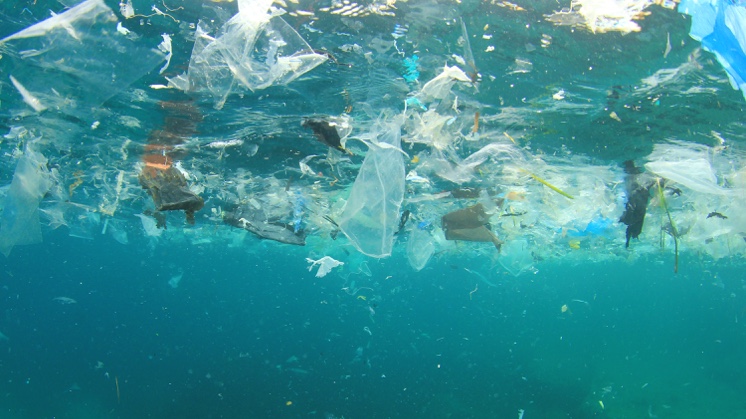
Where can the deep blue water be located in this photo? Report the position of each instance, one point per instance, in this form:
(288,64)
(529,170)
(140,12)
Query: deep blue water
(243,336)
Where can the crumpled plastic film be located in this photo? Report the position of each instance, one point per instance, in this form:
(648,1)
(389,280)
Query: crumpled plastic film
(76,60)
(254,49)
(371,215)
(19,222)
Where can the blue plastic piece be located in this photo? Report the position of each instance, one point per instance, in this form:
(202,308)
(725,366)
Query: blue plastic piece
(300,204)
(414,102)
(721,27)
(411,74)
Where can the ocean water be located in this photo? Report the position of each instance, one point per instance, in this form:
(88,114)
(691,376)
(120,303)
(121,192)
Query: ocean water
(106,315)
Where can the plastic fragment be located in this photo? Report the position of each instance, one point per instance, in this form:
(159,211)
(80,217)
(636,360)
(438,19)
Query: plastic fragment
(325,264)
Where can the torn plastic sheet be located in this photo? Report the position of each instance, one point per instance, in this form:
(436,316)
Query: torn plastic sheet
(76,60)
(721,27)
(371,214)
(19,222)
(254,49)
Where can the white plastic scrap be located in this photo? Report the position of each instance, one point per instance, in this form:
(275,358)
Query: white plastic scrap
(326,264)
(166,48)
(28,97)
(126,9)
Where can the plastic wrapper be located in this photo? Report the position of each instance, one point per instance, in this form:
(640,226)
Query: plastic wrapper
(371,215)
(76,60)
(19,223)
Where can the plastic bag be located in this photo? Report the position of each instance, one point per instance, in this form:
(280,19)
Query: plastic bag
(19,223)
(420,248)
(371,214)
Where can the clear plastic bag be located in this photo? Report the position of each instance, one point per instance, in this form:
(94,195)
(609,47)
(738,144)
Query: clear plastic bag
(371,215)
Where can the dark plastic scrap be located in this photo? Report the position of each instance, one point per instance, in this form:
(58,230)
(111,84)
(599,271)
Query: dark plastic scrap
(256,221)
(170,192)
(325,132)
(638,196)
(469,224)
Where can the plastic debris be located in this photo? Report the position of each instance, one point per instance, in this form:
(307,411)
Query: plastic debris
(371,213)
(257,222)
(255,49)
(601,16)
(721,27)
(169,191)
(637,187)
(695,174)
(19,222)
(420,248)
(330,131)
(516,257)
(325,264)
(99,61)
(470,224)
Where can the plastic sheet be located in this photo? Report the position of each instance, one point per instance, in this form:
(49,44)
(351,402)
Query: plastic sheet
(254,49)
(76,60)
(19,223)
(721,27)
(258,222)
(325,264)
(371,215)
(695,174)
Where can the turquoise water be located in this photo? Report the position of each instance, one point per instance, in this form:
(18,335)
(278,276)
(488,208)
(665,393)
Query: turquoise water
(108,315)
